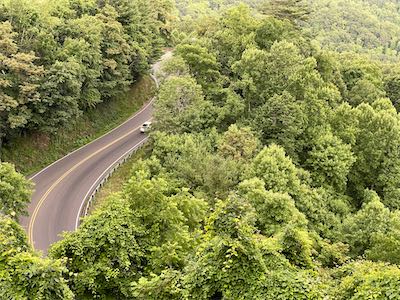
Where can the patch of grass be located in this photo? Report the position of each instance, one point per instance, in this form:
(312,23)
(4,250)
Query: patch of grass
(33,152)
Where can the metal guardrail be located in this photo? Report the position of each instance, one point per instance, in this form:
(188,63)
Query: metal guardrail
(91,194)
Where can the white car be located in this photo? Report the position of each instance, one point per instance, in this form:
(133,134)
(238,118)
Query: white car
(145,127)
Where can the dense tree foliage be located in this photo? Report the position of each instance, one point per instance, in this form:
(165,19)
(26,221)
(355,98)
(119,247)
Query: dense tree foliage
(23,273)
(15,192)
(363,26)
(284,160)
(367,26)
(61,58)
(274,168)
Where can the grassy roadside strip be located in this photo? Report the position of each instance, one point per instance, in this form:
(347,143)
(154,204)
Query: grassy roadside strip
(33,152)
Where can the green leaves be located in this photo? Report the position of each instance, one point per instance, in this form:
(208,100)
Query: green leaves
(24,274)
(148,228)
(377,151)
(181,107)
(330,161)
(292,10)
(368,27)
(324,186)
(274,210)
(373,218)
(104,255)
(15,192)
(366,280)
(229,262)
(282,120)
(60,59)
(19,82)
(273,162)
(238,143)
(202,64)
(276,170)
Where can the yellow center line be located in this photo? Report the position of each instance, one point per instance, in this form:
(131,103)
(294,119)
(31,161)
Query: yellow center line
(43,199)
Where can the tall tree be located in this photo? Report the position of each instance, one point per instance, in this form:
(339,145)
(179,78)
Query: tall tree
(181,106)
(292,10)
(19,82)
(15,192)
(330,161)
(23,273)
(115,49)
(229,261)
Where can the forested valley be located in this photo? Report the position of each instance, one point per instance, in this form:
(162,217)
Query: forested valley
(273,166)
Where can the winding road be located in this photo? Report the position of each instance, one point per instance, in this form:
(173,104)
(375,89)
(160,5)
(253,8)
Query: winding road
(61,188)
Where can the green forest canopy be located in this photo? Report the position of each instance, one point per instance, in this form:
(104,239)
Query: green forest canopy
(364,26)
(61,58)
(274,173)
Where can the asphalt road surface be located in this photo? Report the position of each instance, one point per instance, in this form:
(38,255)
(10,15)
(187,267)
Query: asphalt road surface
(60,189)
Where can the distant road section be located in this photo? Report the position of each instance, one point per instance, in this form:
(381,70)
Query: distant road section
(61,187)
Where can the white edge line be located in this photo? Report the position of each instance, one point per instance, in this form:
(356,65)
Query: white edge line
(99,178)
(31,177)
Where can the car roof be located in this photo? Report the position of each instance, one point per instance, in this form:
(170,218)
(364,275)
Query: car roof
(147,123)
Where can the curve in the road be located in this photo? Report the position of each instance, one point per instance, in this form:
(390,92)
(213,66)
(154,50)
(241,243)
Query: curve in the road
(44,197)
(107,133)
(61,187)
